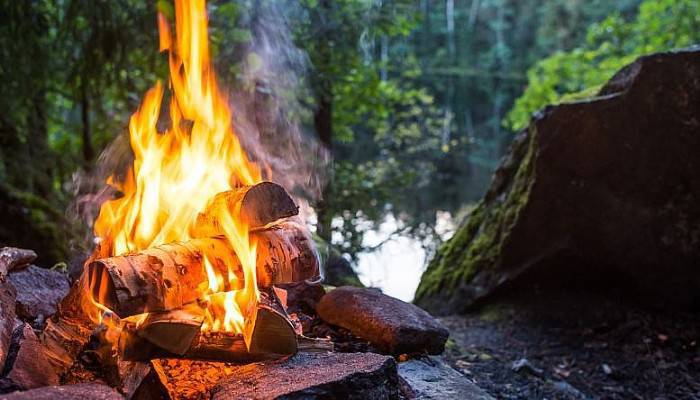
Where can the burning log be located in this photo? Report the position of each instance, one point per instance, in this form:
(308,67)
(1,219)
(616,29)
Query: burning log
(69,329)
(257,206)
(268,329)
(169,276)
(173,331)
(177,334)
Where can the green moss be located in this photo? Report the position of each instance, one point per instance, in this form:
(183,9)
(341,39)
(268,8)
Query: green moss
(478,242)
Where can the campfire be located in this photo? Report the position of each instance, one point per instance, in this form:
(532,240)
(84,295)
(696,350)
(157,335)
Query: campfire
(201,263)
(189,253)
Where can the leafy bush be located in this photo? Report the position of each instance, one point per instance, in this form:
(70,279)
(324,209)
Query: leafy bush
(660,25)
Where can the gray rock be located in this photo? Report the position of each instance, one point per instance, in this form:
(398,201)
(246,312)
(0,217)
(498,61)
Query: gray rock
(394,326)
(39,291)
(432,378)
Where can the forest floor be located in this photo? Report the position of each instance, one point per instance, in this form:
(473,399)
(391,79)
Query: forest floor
(576,346)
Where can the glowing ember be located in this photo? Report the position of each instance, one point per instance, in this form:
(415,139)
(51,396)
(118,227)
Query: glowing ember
(176,173)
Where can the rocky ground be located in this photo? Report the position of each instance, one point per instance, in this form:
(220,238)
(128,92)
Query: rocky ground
(576,346)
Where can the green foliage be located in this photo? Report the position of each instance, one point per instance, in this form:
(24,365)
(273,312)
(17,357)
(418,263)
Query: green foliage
(384,127)
(72,71)
(660,25)
(416,91)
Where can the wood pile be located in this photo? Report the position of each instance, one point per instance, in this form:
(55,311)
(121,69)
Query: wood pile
(150,343)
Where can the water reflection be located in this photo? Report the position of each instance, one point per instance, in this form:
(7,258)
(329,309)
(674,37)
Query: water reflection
(396,267)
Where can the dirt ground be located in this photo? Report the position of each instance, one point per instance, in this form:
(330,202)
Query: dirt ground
(576,346)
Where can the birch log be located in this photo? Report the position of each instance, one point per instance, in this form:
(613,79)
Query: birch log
(169,276)
(257,206)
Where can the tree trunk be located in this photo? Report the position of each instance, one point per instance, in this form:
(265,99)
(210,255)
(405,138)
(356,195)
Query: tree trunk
(88,150)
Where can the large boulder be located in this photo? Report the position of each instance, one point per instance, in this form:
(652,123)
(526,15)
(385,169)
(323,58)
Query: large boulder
(598,193)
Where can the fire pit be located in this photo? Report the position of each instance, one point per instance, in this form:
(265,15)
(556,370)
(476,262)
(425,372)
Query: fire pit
(200,265)
(188,254)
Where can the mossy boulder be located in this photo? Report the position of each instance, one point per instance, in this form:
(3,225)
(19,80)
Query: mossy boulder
(602,193)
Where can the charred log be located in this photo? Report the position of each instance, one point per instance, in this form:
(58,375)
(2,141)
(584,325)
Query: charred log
(136,380)
(269,329)
(217,346)
(268,334)
(173,331)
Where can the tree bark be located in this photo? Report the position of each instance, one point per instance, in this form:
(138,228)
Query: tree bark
(268,330)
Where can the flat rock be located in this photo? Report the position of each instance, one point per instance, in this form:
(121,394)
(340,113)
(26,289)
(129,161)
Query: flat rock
(433,378)
(31,368)
(363,376)
(81,391)
(39,290)
(394,326)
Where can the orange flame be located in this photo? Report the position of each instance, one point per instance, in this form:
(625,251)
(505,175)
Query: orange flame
(176,173)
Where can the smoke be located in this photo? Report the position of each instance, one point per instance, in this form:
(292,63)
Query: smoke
(268,105)
(268,117)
